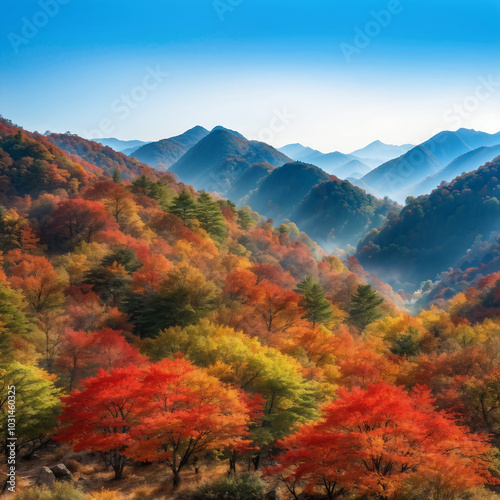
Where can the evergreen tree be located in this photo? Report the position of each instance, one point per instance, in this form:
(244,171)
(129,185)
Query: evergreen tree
(117,177)
(184,207)
(365,306)
(244,220)
(313,300)
(210,217)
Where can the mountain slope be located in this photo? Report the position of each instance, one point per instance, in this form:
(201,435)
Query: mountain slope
(109,160)
(354,168)
(284,188)
(218,160)
(464,163)
(434,232)
(163,154)
(394,177)
(336,213)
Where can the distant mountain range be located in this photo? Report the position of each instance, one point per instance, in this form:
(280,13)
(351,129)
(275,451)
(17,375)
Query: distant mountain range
(381,152)
(356,164)
(119,145)
(329,162)
(395,177)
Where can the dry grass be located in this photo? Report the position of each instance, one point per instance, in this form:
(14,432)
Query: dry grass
(140,482)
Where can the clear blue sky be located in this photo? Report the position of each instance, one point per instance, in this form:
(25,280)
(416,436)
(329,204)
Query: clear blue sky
(244,63)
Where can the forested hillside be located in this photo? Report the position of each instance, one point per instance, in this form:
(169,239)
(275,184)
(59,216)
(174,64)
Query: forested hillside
(170,339)
(433,232)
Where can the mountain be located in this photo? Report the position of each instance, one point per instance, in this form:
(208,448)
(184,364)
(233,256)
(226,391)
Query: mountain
(354,169)
(217,161)
(464,163)
(107,159)
(329,162)
(237,134)
(284,188)
(242,187)
(381,152)
(434,232)
(299,152)
(335,213)
(163,154)
(119,145)
(394,177)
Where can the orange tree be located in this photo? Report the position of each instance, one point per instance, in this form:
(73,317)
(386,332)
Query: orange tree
(99,417)
(374,441)
(170,411)
(186,414)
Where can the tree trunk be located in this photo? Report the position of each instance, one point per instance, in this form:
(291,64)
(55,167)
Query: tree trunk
(232,463)
(176,481)
(256,461)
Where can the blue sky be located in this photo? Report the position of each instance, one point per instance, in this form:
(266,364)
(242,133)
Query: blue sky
(274,70)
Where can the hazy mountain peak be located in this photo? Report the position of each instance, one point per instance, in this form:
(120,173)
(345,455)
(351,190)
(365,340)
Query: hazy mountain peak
(234,132)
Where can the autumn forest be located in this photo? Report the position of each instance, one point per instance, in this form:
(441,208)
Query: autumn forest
(165,342)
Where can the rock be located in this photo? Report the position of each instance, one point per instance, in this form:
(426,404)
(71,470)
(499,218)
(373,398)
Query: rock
(45,477)
(272,495)
(61,473)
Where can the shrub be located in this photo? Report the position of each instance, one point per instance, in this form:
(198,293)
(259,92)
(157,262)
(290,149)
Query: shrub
(59,491)
(243,487)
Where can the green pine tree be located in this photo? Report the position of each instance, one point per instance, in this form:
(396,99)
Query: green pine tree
(210,217)
(313,300)
(184,207)
(244,220)
(365,306)
(117,177)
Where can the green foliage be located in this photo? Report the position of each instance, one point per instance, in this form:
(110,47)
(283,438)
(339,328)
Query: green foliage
(365,306)
(313,300)
(290,398)
(10,230)
(184,207)
(156,190)
(242,487)
(244,220)
(111,278)
(184,297)
(407,344)
(58,491)
(117,177)
(13,320)
(210,217)
(37,401)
